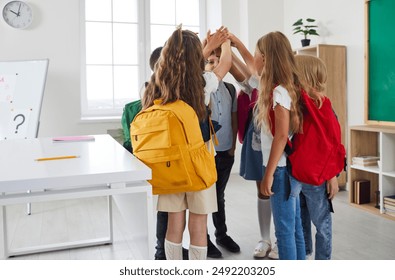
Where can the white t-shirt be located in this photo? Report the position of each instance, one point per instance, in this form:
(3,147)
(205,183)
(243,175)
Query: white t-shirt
(282,98)
(248,85)
(211,85)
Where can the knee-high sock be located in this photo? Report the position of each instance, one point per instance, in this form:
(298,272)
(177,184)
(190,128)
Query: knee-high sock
(173,251)
(264,218)
(197,252)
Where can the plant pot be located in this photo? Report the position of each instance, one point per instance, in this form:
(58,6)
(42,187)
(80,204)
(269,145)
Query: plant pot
(305,42)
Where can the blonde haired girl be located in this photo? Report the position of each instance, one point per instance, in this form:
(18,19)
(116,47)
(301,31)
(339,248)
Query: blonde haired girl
(278,110)
(316,201)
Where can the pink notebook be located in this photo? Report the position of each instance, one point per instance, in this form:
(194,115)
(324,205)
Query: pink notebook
(73,138)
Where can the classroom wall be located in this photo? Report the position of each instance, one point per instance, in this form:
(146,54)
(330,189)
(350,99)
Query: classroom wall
(340,23)
(55,35)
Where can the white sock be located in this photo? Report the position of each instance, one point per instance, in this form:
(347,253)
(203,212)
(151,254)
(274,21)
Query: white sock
(173,251)
(197,252)
(264,218)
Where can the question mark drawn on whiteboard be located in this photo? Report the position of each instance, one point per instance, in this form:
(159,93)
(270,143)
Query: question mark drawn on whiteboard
(18,125)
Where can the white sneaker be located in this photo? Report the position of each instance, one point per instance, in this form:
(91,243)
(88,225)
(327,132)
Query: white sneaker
(262,248)
(310,257)
(273,254)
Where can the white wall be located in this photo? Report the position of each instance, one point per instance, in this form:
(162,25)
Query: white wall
(340,23)
(249,20)
(55,35)
(336,26)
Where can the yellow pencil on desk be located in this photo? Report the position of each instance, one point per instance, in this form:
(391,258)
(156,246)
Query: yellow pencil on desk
(56,158)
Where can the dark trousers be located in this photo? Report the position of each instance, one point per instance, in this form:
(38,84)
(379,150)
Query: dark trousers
(223,163)
(161,228)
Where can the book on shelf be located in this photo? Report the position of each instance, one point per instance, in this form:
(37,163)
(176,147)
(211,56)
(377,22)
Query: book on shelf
(361,191)
(389,203)
(390,212)
(364,164)
(73,138)
(389,198)
(389,207)
(365,160)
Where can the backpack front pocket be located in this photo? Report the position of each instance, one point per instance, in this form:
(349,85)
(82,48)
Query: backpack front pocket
(150,135)
(169,174)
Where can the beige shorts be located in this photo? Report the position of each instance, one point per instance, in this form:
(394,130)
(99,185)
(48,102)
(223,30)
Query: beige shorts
(200,202)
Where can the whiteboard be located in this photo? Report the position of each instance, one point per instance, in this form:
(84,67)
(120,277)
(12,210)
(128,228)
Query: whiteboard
(22,86)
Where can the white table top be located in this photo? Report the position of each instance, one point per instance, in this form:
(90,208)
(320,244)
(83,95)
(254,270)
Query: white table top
(102,161)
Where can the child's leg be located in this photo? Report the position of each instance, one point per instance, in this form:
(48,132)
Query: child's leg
(173,241)
(306,224)
(264,214)
(173,250)
(264,219)
(161,228)
(197,226)
(288,227)
(318,204)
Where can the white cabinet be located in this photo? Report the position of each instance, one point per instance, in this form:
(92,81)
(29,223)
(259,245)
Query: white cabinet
(373,140)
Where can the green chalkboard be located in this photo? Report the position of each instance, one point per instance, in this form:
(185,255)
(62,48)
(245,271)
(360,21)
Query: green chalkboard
(381,72)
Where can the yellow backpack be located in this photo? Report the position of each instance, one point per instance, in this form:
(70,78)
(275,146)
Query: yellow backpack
(167,138)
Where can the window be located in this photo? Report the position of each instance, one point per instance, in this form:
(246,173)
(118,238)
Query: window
(118,41)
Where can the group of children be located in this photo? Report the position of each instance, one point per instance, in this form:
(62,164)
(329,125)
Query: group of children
(272,80)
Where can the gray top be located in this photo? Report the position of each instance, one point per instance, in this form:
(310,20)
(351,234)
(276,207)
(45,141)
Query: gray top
(222,106)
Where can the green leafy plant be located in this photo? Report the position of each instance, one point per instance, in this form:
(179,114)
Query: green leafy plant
(307,28)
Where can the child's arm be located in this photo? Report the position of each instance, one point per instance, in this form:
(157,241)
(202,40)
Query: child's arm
(332,187)
(214,41)
(244,52)
(241,68)
(235,72)
(225,61)
(282,118)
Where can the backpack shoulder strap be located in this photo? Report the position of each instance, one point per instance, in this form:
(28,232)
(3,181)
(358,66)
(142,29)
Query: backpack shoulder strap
(232,90)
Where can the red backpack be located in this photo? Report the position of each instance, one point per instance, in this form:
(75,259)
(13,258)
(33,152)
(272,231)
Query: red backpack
(316,154)
(245,106)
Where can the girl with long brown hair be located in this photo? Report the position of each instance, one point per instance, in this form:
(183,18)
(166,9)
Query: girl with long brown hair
(179,75)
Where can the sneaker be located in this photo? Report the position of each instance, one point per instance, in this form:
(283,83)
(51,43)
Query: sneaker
(309,257)
(212,251)
(273,254)
(262,249)
(228,243)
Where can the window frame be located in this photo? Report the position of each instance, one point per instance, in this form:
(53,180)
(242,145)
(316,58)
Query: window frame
(143,52)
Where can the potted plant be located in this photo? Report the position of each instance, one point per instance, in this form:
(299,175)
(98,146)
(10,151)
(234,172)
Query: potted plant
(306,28)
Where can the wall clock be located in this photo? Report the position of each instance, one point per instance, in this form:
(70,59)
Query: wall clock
(17,14)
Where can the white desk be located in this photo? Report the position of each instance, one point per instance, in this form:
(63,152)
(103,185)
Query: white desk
(103,168)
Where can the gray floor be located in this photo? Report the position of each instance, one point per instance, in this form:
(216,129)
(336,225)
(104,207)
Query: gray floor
(358,235)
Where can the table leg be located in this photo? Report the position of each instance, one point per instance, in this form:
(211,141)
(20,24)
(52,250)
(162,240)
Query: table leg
(3,232)
(110,219)
(151,227)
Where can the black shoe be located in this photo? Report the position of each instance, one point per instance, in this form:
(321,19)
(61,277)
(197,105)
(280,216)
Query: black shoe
(228,243)
(185,255)
(160,257)
(212,251)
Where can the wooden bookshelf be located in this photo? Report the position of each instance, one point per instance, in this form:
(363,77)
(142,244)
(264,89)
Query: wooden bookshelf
(373,140)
